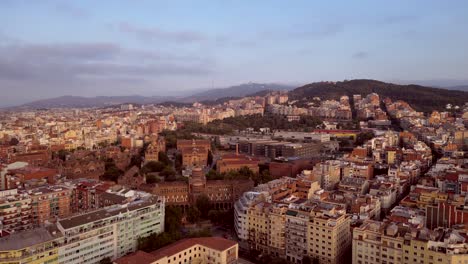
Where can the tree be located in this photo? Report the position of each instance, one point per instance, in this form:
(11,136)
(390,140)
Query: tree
(178,162)
(136,160)
(150,179)
(62,154)
(306,260)
(169,173)
(203,204)
(164,159)
(112,172)
(363,137)
(173,216)
(14,141)
(106,260)
(153,166)
(210,158)
(213,175)
(262,177)
(278,261)
(193,214)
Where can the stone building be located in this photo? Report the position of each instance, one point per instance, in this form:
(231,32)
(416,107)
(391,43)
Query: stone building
(194,152)
(222,193)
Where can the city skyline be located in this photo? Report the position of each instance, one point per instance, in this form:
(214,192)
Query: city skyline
(85,48)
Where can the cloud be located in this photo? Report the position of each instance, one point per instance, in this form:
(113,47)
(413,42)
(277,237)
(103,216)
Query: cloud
(68,9)
(397,19)
(30,64)
(157,34)
(306,31)
(360,55)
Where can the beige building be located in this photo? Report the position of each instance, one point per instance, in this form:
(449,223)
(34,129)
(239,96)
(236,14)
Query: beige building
(388,242)
(296,227)
(206,250)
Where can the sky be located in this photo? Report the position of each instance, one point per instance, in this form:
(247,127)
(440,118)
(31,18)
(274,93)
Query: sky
(50,48)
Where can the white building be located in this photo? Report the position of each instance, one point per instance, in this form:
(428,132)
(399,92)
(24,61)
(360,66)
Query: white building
(110,232)
(241,223)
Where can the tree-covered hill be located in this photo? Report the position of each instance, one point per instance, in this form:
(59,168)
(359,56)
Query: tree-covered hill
(421,98)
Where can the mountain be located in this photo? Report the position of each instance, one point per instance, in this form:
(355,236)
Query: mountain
(212,95)
(98,101)
(235,91)
(459,88)
(420,97)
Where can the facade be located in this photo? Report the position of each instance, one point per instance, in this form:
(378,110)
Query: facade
(206,250)
(222,193)
(50,203)
(283,219)
(158,144)
(15,210)
(34,246)
(329,237)
(194,152)
(110,232)
(328,173)
(236,162)
(389,242)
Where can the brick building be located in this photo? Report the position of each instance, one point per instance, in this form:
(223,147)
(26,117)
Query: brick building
(231,162)
(194,152)
(222,193)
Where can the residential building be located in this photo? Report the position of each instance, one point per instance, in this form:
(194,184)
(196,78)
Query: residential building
(110,232)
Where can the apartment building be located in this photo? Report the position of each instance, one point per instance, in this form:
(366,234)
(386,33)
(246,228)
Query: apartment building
(110,232)
(205,250)
(390,242)
(329,238)
(241,223)
(328,173)
(34,246)
(15,210)
(50,203)
(266,228)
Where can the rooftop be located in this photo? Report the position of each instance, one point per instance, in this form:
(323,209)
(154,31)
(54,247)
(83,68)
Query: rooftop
(79,220)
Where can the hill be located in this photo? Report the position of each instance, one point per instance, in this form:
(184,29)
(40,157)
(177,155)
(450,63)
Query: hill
(98,101)
(459,88)
(420,97)
(235,91)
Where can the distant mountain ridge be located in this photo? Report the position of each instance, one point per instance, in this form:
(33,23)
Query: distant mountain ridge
(420,97)
(241,90)
(208,95)
(98,101)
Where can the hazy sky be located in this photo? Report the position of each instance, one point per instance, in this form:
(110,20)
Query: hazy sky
(50,48)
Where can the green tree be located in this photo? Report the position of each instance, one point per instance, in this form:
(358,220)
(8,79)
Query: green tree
(193,214)
(178,162)
(14,141)
(169,173)
(213,175)
(262,177)
(210,158)
(112,172)
(153,166)
(364,137)
(105,261)
(306,260)
(203,204)
(164,159)
(62,154)
(150,179)
(173,216)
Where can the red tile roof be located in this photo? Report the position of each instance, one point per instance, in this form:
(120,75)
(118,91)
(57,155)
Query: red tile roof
(141,257)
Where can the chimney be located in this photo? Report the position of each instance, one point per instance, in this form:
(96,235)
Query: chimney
(237,149)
